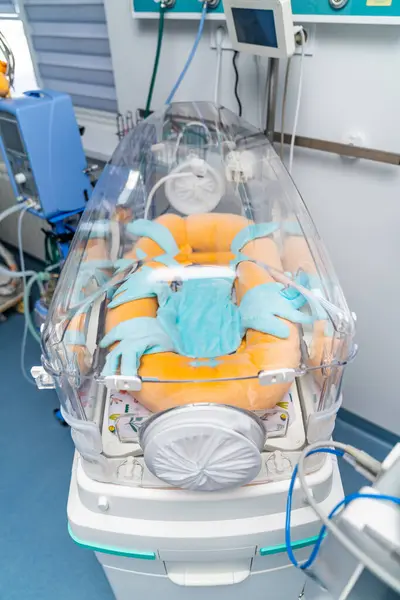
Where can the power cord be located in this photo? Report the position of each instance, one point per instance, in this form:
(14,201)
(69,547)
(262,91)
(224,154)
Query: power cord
(236,88)
(157,57)
(191,55)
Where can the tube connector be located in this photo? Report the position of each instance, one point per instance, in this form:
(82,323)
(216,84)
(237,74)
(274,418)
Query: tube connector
(213,4)
(363,463)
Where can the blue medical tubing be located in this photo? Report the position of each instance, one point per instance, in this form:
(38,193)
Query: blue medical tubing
(288,540)
(191,55)
(308,563)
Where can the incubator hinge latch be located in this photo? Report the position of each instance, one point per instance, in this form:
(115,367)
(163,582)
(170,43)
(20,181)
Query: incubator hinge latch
(122,383)
(43,380)
(277,376)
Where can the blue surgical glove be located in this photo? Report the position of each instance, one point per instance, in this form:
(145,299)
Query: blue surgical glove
(262,305)
(142,335)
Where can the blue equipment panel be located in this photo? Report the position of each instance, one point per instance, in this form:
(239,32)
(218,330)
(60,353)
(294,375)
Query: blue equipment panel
(43,152)
(318,9)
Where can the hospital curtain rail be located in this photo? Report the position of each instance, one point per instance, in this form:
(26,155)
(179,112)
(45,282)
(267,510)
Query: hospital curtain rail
(70,42)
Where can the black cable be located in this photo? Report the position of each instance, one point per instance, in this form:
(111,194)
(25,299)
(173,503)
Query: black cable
(156,59)
(235,55)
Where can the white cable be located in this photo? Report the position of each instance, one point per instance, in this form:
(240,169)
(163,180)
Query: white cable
(13,209)
(157,186)
(299,90)
(14,274)
(24,273)
(350,546)
(219,36)
(182,133)
(20,245)
(6,213)
(27,293)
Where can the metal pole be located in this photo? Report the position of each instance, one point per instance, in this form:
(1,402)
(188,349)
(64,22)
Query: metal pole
(272,94)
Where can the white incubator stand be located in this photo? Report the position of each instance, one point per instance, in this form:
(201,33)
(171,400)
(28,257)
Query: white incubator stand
(197,340)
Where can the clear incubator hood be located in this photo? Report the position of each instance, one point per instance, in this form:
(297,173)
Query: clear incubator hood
(198,335)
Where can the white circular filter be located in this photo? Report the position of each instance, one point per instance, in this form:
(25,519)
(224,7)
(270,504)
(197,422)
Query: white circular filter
(199,192)
(203,447)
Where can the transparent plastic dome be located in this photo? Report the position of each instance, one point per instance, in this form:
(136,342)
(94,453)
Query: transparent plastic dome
(197,310)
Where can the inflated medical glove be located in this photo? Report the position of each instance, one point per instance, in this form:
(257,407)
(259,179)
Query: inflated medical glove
(157,232)
(313,283)
(201,319)
(140,285)
(251,233)
(291,293)
(142,335)
(91,276)
(261,306)
(123,263)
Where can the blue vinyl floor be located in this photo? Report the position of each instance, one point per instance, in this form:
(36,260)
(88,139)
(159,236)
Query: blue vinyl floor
(38,560)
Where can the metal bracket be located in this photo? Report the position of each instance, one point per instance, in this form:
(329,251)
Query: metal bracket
(123,383)
(277,376)
(43,380)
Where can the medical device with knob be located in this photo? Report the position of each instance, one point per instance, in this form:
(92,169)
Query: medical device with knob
(42,150)
(51,174)
(197,340)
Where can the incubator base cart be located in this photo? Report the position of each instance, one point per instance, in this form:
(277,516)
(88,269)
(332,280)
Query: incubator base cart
(197,340)
(184,545)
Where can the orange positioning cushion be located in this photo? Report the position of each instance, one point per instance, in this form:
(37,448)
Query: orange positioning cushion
(232,379)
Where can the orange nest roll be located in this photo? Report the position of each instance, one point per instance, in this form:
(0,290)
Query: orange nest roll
(233,379)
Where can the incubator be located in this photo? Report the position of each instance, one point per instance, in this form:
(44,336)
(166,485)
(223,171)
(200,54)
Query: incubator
(197,340)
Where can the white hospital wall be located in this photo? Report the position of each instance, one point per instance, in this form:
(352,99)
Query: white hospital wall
(351,86)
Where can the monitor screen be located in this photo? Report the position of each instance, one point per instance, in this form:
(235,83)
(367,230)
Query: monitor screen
(11,136)
(255,26)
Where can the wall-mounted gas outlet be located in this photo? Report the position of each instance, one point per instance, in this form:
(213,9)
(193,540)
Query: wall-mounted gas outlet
(310,34)
(226,42)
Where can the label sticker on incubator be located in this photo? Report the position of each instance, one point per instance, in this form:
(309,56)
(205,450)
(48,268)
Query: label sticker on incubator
(125,416)
(276,420)
(379,2)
